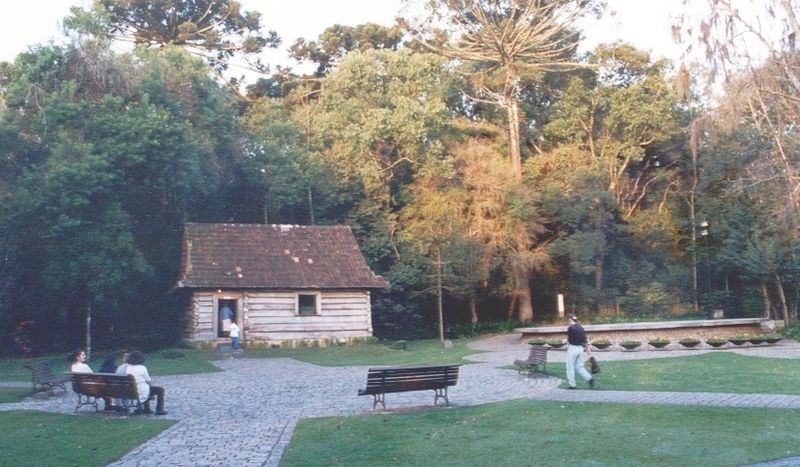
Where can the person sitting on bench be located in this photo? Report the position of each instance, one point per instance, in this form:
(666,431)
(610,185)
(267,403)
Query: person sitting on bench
(144,384)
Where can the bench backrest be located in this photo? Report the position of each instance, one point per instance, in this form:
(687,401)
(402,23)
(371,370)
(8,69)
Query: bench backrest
(411,378)
(538,354)
(41,371)
(104,384)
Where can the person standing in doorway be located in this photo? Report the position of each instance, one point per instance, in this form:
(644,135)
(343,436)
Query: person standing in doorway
(577,345)
(234,336)
(226,315)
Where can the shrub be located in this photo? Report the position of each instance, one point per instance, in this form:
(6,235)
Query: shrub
(537,341)
(689,341)
(556,343)
(739,340)
(630,344)
(659,342)
(716,341)
(792,331)
(601,343)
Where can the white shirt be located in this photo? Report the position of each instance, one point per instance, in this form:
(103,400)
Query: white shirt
(123,369)
(142,377)
(81,368)
(234,330)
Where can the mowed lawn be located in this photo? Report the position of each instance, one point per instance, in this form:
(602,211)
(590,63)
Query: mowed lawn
(708,372)
(545,433)
(32,438)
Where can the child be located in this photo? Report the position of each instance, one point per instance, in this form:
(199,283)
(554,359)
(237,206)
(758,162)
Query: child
(234,335)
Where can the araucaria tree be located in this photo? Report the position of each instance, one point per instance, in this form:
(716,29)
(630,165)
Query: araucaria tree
(502,45)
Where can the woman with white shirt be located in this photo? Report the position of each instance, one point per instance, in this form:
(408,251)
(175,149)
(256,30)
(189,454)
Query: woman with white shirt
(144,383)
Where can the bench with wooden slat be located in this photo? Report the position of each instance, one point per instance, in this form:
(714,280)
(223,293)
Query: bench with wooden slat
(437,378)
(44,378)
(537,360)
(93,386)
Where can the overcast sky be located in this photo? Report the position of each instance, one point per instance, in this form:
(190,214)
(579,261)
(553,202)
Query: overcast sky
(645,23)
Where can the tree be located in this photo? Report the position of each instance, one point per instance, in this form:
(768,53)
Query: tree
(99,176)
(337,40)
(379,119)
(504,43)
(757,46)
(215,30)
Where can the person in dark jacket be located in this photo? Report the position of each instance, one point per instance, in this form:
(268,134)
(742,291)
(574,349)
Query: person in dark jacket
(577,345)
(109,364)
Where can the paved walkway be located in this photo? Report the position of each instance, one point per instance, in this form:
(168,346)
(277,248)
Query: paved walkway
(253,405)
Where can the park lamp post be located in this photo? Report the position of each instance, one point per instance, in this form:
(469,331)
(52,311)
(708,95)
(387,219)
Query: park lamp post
(704,232)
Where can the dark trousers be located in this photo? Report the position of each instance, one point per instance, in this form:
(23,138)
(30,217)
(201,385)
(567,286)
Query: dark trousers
(159,392)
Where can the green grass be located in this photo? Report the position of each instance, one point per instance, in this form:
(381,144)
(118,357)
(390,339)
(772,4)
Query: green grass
(37,438)
(708,372)
(419,353)
(14,394)
(197,360)
(545,433)
(193,361)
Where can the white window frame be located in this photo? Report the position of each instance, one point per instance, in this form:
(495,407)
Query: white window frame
(317,302)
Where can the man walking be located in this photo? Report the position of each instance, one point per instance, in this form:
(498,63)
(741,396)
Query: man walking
(578,344)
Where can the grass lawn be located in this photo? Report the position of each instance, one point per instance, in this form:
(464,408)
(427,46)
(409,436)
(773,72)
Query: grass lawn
(37,438)
(192,361)
(197,360)
(707,372)
(419,353)
(14,394)
(549,433)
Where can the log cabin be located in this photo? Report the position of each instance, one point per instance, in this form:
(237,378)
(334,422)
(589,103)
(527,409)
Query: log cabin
(282,283)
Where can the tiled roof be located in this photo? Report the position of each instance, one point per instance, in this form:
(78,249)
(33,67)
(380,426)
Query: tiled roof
(273,256)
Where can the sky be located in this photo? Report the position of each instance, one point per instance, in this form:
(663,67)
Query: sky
(644,23)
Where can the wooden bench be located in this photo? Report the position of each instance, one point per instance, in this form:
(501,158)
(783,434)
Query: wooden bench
(437,378)
(537,360)
(92,386)
(44,378)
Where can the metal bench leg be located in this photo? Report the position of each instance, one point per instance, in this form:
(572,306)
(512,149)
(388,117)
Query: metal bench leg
(441,393)
(379,398)
(86,400)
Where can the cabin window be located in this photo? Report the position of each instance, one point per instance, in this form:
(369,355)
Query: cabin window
(307,304)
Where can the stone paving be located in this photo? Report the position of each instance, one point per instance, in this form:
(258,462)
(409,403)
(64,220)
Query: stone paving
(245,415)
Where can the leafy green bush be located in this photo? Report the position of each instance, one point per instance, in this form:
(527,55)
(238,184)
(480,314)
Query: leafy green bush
(601,343)
(457,331)
(689,341)
(659,342)
(630,344)
(716,341)
(792,331)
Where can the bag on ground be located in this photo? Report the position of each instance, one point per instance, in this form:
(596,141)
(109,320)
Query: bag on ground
(594,368)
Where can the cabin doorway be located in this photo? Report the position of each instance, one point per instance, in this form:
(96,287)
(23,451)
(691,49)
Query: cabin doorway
(227,313)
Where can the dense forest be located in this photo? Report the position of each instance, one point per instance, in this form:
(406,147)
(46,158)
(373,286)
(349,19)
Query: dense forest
(471,145)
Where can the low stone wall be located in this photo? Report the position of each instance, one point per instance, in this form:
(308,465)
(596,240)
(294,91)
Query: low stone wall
(672,330)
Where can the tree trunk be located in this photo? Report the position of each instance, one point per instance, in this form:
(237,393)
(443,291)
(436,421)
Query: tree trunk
(514,139)
(765,299)
(782,297)
(512,305)
(89,330)
(439,293)
(598,280)
(524,295)
(473,308)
